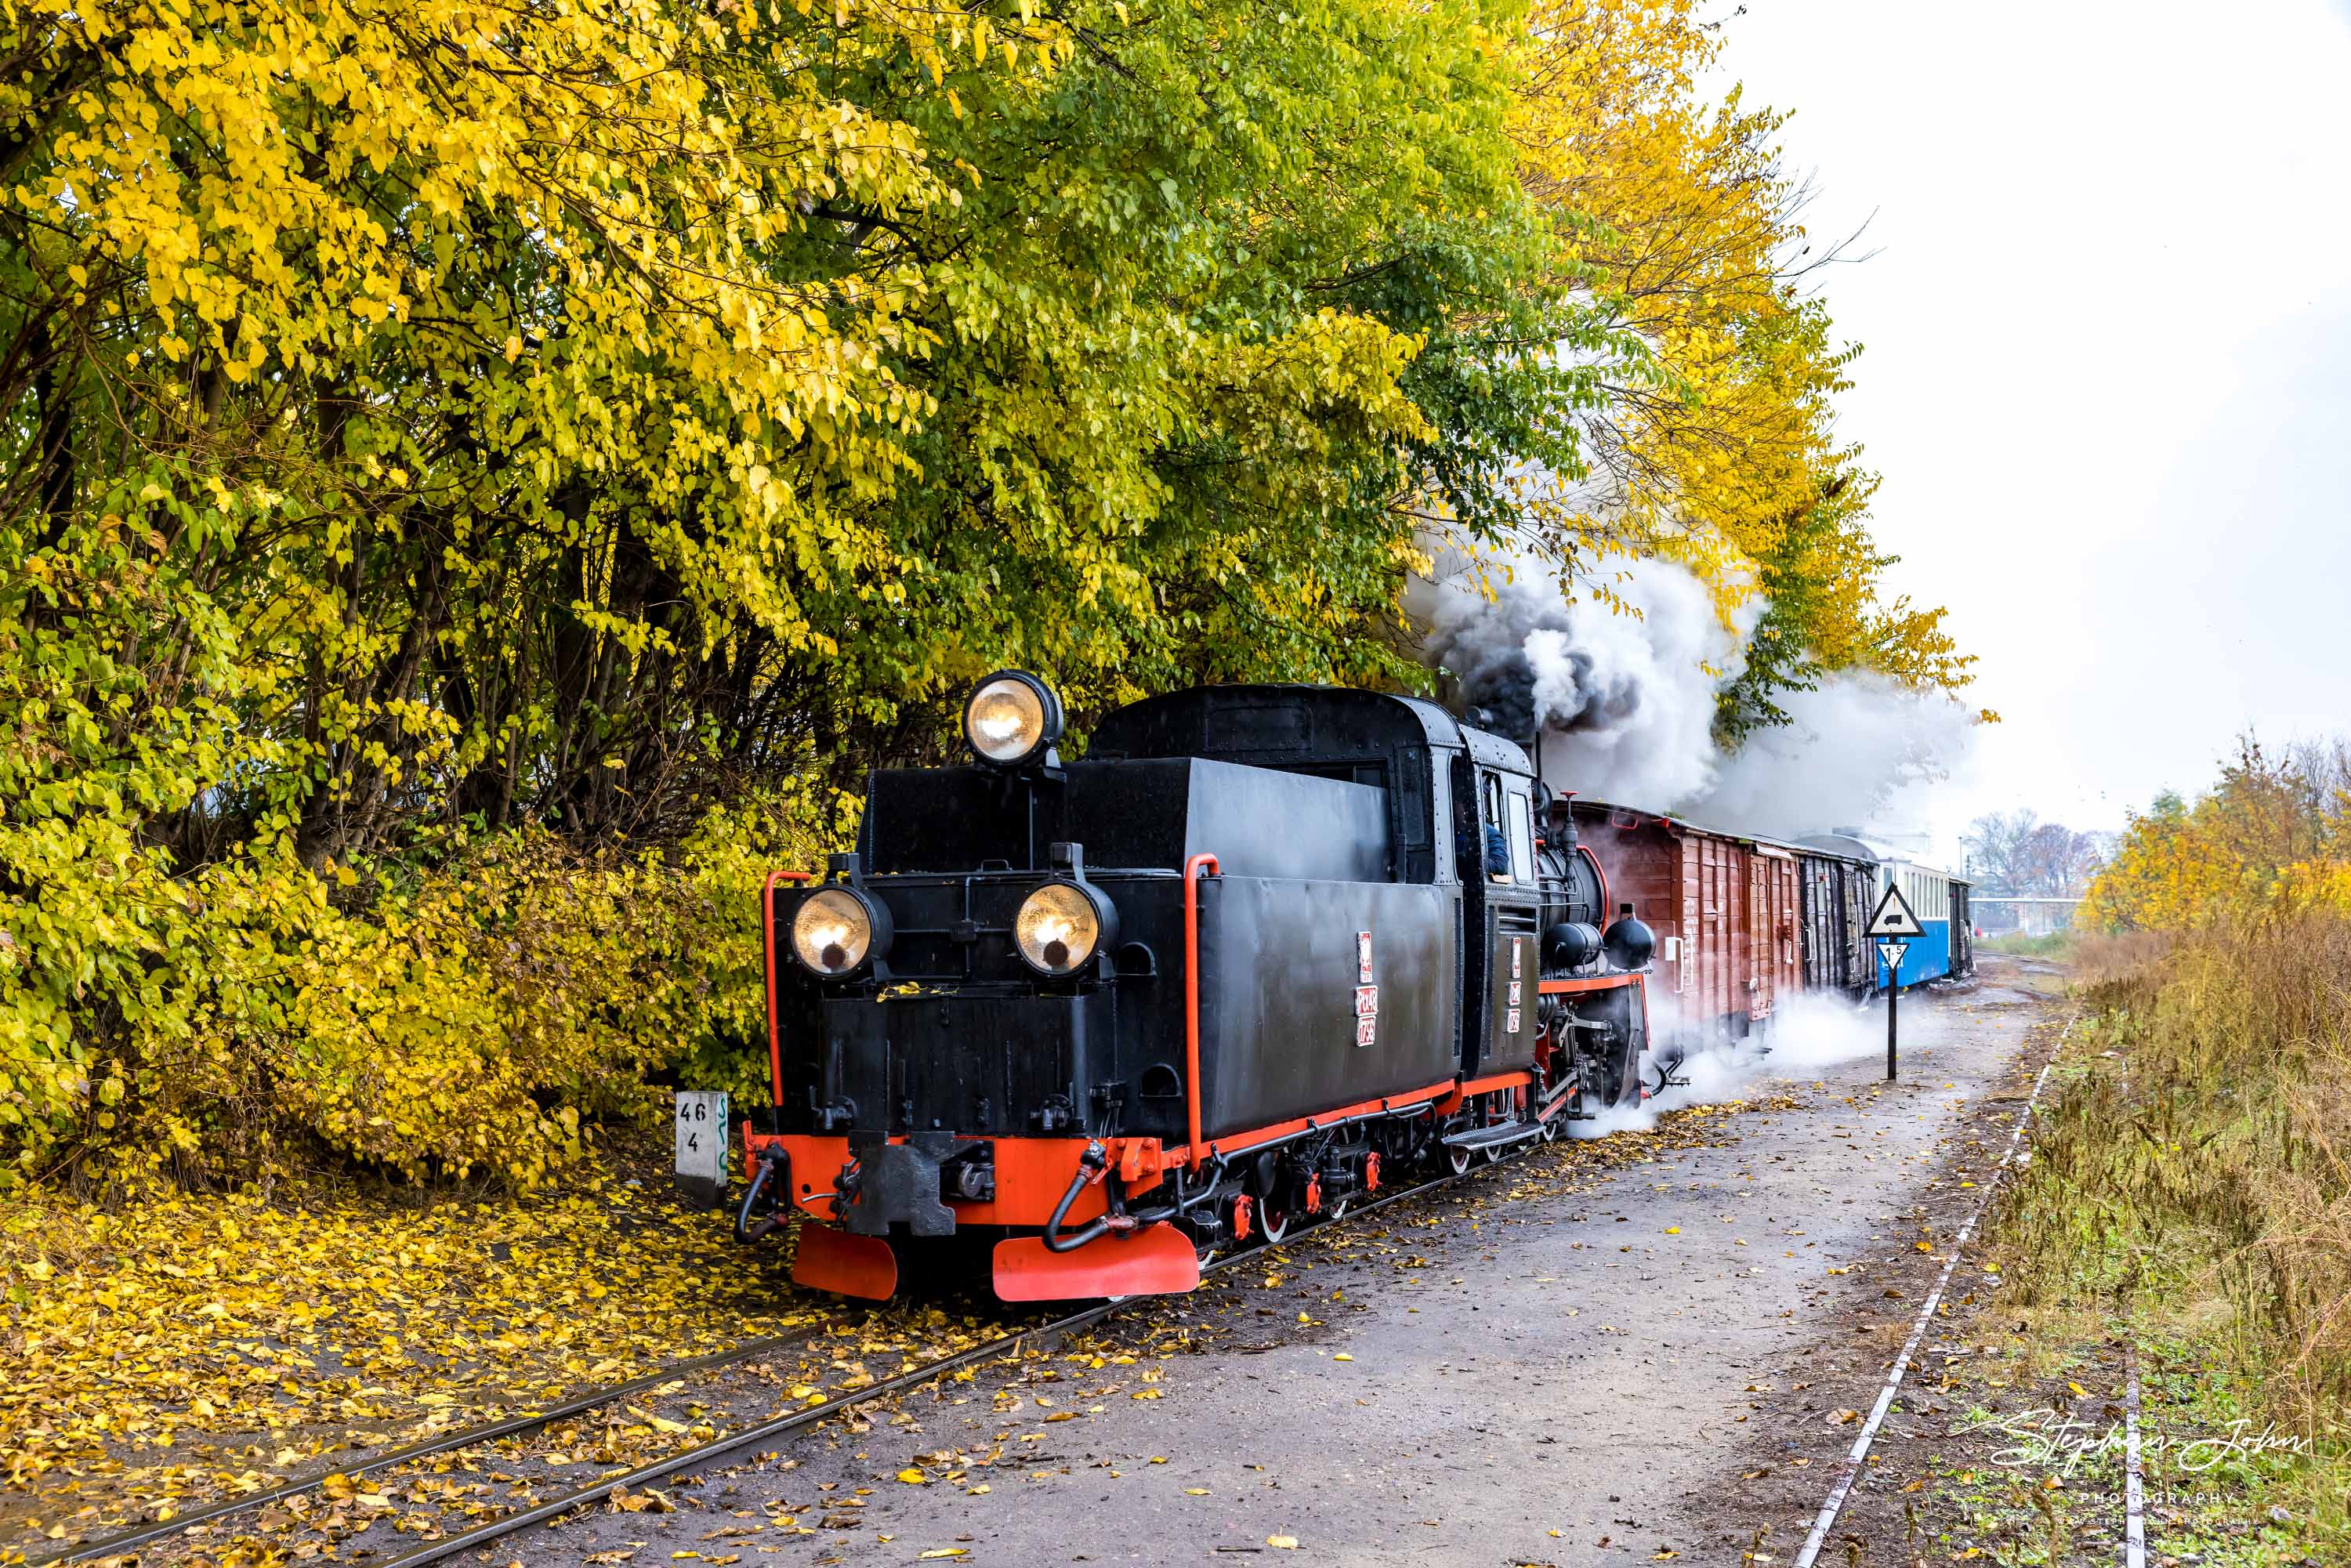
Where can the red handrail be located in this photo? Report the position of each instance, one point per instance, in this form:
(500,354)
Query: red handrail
(768,936)
(1192,869)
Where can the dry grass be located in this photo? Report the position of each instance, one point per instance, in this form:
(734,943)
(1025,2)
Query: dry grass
(2195,1168)
(2100,960)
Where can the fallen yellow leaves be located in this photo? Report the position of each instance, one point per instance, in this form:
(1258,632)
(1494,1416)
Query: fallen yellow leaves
(336,1323)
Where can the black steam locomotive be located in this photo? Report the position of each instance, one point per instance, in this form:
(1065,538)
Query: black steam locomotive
(1259,952)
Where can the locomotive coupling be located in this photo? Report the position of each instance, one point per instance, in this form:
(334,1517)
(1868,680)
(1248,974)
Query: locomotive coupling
(900,1182)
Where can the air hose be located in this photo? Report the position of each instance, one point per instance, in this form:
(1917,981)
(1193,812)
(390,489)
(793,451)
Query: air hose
(749,1225)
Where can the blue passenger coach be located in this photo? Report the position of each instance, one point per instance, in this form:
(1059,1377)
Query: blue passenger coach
(1939,899)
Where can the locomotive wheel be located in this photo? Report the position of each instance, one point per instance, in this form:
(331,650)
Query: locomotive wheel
(1457,1157)
(1493,1153)
(1272,1223)
(1550,1131)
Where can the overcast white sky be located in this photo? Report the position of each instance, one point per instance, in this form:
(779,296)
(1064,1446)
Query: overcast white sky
(2108,375)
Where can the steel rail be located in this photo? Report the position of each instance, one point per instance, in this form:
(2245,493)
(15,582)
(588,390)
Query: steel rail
(1850,1471)
(466,1438)
(781,1425)
(434,1551)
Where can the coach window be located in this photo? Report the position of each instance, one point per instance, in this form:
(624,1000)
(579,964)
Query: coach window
(1522,839)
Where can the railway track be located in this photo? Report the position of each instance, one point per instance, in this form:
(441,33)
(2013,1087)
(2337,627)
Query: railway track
(127,1541)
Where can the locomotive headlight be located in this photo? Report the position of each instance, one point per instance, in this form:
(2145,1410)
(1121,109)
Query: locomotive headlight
(837,929)
(1012,718)
(1061,927)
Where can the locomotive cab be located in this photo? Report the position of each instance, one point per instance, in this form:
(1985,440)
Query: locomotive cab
(1204,982)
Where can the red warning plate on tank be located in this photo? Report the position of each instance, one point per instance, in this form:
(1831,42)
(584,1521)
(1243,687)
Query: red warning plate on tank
(1363,958)
(1367,1001)
(1367,1029)
(1515,998)
(1516,961)
(1510,1021)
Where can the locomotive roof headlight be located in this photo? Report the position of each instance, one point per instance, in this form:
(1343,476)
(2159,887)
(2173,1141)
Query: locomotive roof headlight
(1061,927)
(1013,719)
(837,931)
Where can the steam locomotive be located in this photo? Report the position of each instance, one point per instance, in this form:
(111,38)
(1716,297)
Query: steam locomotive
(1261,951)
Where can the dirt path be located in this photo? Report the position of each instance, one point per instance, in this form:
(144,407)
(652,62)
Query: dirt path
(1601,1354)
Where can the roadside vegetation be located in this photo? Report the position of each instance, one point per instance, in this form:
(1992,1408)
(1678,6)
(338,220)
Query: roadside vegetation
(2190,1185)
(2019,944)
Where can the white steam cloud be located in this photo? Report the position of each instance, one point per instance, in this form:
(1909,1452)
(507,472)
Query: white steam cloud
(1624,699)
(1847,748)
(1626,696)
(1810,1034)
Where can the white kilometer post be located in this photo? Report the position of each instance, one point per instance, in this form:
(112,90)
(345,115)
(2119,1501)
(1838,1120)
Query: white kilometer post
(702,1127)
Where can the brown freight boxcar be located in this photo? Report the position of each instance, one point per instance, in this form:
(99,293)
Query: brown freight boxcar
(1725,908)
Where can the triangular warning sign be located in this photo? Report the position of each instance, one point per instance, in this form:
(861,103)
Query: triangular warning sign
(1894,917)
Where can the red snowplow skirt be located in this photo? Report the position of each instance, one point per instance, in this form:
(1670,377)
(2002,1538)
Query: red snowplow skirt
(1156,1260)
(830,1259)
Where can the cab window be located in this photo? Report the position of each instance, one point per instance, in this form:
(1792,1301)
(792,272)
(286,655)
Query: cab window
(1494,852)
(1522,839)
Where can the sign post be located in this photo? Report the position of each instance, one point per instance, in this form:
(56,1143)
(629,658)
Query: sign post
(1891,955)
(1893,927)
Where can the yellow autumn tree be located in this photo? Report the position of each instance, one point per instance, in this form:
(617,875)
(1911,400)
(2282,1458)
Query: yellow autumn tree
(2272,837)
(1683,229)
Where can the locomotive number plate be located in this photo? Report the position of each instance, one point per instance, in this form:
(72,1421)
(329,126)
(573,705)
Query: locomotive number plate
(1367,1001)
(1367,1030)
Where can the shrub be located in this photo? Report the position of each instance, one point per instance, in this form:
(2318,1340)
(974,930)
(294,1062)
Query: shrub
(467,1011)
